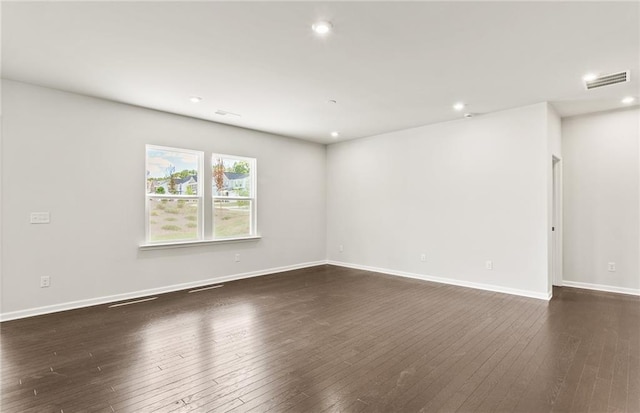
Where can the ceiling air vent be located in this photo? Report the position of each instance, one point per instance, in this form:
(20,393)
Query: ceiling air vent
(607,80)
(225,113)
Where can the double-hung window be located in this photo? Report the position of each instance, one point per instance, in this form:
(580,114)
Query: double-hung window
(184,204)
(233,196)
(174,199)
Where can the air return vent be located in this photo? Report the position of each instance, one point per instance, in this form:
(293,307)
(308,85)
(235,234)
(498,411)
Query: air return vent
(226,112)
(607,80)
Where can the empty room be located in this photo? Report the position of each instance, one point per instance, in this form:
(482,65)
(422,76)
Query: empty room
(319,206)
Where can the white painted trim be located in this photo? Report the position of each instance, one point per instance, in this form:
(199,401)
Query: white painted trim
(557,238)
(14,315)
(601,287)
(450,281)
(254,187)
(182,244)
(199,197)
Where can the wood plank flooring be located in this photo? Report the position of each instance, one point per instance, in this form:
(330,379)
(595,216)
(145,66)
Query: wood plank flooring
(329,339)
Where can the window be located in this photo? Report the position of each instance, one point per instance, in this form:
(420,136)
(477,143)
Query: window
(174,194)
(178,210)
(233,199)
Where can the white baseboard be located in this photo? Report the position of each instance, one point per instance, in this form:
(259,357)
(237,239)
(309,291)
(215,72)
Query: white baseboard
(14,315)
(601,287)
(450,281)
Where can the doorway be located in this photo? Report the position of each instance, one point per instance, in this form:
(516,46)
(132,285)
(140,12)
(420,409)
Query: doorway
(556,222)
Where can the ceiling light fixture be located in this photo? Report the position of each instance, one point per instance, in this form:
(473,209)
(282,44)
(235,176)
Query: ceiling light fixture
(628,99)
(333,102)
(459,106)
(322,27)
(468,115)
(589,77)
(195,99)
(335,134)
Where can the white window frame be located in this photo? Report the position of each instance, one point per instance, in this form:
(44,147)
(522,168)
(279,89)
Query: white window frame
(200,197)
(252,198)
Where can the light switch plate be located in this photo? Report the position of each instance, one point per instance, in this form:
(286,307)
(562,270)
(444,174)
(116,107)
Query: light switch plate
(40,218)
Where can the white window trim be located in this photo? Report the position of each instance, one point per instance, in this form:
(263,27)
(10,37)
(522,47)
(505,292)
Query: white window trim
(172,196)
(206,202)
(183,244)
(253,224)
(200,197)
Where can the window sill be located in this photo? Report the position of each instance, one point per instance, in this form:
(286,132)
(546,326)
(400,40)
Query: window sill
(184,244)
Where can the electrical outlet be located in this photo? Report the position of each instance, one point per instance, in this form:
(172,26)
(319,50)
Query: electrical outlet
(340,248)
(611,267)
(423,257)
(45,281)
(489,265)
(237,257)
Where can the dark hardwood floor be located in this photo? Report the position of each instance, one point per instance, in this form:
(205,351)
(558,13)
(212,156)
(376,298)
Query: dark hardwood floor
(330,339)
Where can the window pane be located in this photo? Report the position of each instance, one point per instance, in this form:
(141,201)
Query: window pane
(231,177)
(231,218)
(172,172)
(173,219)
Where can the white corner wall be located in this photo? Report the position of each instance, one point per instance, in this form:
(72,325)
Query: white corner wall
(461,192)
(601,200)
(82,159)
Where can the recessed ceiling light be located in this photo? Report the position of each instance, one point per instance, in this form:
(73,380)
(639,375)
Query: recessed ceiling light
(459,106)
(334,134)
(195,99)
(333,102)
(628,99)
(322,27)
(589,77)
(468,115)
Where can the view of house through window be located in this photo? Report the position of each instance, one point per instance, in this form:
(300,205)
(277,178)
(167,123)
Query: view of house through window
(233,182)
(174,195)
(175,205)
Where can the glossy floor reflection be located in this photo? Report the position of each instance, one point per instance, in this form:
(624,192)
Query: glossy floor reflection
(329,339)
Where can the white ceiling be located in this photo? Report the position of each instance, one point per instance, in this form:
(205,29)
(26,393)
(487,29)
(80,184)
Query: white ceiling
(388,65)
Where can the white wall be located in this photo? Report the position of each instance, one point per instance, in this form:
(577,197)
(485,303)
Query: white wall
(462,192)
(82,159)
(601,200)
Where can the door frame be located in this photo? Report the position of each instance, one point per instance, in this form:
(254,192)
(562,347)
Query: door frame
(556,221)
